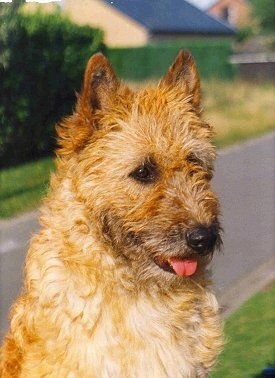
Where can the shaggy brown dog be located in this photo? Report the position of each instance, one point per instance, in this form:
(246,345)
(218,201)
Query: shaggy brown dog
(116,282)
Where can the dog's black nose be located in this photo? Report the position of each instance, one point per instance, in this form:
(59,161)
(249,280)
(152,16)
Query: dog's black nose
(202,239)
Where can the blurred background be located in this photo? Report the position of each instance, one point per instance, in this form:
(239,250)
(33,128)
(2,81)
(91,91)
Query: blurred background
(44,48)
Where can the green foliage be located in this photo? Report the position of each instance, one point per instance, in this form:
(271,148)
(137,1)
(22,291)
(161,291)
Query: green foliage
(244,33)
(42,67)
(7,30)
(264,12)
(152,60)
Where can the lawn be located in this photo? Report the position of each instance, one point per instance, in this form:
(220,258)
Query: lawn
(250,338)
(21,188)
(237,110)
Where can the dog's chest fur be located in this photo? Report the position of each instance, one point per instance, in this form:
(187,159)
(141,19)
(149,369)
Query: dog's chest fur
(149,335)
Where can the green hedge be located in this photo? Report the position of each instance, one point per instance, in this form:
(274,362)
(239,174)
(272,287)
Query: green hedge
(41,67)
(151,61)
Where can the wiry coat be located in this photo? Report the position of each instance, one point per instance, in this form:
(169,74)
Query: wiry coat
(133,176)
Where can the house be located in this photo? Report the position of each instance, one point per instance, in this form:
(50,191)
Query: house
(235,12)
(132,23)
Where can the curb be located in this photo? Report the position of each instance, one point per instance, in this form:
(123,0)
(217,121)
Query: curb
(232,299)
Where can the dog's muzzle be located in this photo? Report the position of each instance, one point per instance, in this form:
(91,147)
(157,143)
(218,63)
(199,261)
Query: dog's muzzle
(202,239)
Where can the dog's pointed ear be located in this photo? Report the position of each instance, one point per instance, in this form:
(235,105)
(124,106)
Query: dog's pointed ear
(99,87)
(184,72)
(98,93)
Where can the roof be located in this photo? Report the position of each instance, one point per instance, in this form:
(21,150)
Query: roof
(171,16)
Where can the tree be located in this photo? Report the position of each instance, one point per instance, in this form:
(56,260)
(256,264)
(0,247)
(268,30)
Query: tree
(264,12)
(8,29)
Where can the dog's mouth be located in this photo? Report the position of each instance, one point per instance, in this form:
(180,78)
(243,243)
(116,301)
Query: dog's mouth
(178,266)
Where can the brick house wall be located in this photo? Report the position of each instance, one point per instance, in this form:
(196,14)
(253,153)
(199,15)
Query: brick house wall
(236,12)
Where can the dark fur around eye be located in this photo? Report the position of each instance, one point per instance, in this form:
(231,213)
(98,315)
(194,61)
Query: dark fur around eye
(197,163)
(193,159)
(146,173)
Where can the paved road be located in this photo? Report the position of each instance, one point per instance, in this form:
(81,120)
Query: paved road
(245,183)
(14,240)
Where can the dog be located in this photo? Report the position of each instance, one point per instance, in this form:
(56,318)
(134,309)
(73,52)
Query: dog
(116,281)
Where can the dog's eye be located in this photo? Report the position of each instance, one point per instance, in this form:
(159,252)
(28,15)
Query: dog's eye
(146,173)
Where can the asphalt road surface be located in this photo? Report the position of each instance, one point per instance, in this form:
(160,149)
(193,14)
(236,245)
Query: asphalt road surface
(245,183)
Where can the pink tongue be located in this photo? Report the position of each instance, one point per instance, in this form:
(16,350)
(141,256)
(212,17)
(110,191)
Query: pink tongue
(184,267)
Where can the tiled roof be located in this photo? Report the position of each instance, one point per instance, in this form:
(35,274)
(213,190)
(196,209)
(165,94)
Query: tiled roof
(171,16)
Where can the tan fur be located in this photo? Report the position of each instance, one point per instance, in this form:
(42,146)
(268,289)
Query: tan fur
(95,302)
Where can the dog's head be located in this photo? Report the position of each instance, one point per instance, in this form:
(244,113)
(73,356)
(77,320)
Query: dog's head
(143,162)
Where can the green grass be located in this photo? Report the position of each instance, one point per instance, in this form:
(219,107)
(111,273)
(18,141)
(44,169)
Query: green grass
(238,110)
(250,338)
(21,188)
